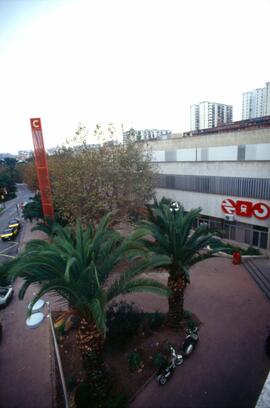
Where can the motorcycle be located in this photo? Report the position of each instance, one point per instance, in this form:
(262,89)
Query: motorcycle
(166,371)
(190,341)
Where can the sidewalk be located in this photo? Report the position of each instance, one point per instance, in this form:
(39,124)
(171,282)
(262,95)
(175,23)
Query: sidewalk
(229,366)
(25,354)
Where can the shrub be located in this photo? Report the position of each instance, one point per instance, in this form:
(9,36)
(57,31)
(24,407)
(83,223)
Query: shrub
(230,249)
(160,360)
(82,395)
(252,251)
(123,323)
(134,361)
(190,319)
(33,209)
(155,320)
(119,401)
(71,383)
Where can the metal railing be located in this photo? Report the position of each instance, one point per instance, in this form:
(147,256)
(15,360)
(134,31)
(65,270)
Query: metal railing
(58,357)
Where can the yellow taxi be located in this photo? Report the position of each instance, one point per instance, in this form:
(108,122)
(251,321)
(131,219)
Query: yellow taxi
(14,223)
(9,234)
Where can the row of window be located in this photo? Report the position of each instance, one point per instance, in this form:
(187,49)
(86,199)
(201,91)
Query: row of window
(230,186)
(249,234)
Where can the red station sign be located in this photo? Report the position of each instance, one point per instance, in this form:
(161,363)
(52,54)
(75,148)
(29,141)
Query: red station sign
(245,208)
(42,168)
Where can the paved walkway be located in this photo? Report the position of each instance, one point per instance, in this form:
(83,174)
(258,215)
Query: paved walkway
(229,366)
(25,354)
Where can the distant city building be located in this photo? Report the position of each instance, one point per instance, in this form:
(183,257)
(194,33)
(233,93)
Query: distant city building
(207,115)
(7,155)
(23,155)
(146,134)
(256,103)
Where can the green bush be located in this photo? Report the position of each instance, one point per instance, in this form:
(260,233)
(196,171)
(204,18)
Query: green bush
(230,249)
(252,251)
(155,320)
(119,401)
(71,383)
(33,209)
(83,396)
(123,323)
(134,361)
(160,360)
(190,319)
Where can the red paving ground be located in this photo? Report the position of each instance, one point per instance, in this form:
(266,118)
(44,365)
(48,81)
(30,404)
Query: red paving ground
(229,367)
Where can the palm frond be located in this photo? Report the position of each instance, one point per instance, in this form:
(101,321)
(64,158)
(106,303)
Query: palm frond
(97,308)
(138,285)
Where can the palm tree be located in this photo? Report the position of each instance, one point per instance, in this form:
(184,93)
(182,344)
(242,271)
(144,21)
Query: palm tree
(76,265)
(171,229)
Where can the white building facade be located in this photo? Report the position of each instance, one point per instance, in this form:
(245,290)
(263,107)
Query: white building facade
(247,105)
(210,114)
(256,103)
(227,174)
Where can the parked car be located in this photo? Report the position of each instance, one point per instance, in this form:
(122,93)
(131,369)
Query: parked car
(9,234)
(5,295)
(14,223)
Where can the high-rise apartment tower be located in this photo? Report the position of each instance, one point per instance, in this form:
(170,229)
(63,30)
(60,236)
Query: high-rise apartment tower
(256,103)
(209,114)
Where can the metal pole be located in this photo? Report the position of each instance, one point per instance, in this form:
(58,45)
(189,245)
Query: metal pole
(58,358)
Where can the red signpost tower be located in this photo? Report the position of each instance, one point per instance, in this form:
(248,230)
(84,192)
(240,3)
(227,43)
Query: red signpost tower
(42,168)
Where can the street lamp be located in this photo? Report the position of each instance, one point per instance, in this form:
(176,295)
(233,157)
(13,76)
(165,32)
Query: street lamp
(35,320)
(174,207)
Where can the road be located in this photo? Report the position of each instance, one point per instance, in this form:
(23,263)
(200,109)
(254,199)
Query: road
(10,248)
(26,363)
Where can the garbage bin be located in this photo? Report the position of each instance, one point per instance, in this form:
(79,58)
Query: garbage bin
(236,258)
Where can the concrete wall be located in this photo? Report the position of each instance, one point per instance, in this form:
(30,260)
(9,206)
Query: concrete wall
(222,169)
(253,136)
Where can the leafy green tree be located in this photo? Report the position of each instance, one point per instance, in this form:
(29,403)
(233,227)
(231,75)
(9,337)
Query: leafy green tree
(8,179)
(33,209)
(86,182)
(28,174)
(174,237)
(76,265)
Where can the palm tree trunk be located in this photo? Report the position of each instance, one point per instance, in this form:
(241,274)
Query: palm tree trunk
(91,342)
(89,338)
(176,301)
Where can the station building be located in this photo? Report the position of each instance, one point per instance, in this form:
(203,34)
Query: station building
(226,172)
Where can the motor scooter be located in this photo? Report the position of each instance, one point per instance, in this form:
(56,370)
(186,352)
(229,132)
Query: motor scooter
(190,342)
(166,371)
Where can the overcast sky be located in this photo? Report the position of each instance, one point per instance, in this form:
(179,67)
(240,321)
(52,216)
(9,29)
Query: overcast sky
(136,62)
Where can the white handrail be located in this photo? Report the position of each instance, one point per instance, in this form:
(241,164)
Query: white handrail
(58,358)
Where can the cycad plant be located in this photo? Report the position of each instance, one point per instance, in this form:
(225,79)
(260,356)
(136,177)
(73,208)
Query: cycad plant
(76,265)
(172,230)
